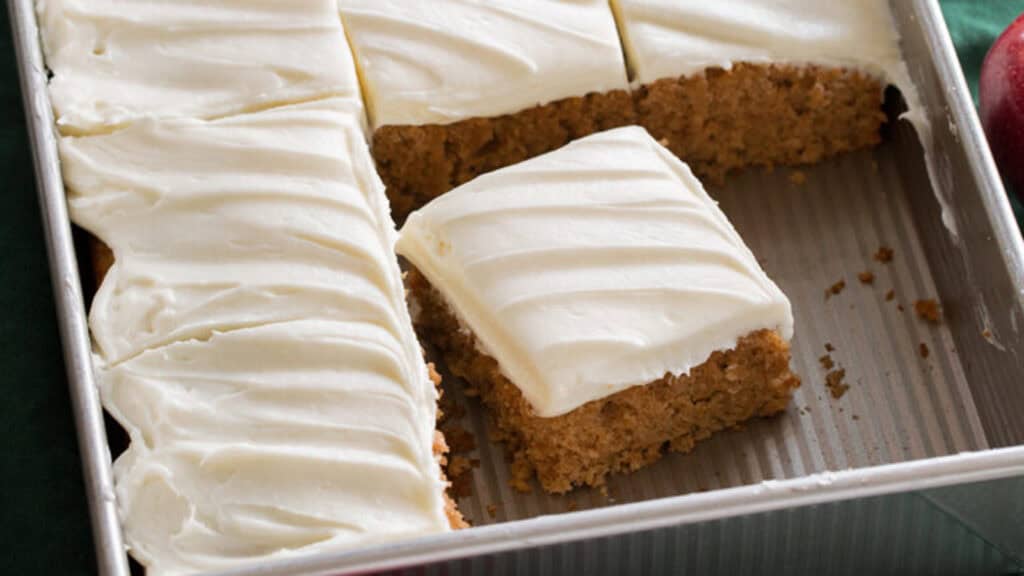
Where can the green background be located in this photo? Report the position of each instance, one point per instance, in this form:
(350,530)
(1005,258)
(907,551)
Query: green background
(45,527)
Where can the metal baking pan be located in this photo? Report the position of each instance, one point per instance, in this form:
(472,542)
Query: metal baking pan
(910,429)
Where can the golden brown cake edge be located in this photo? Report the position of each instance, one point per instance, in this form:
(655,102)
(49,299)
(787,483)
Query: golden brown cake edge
(420,162)
(625,431)
(721,120)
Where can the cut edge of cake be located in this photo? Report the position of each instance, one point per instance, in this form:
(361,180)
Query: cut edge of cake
(584,446)
(427,138)
(587,428)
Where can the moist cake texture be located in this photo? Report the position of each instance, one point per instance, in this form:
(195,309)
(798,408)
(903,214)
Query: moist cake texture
(762,115)
(457,88)
(592,272)
(252,338)
(419,163)
(116,61)
(761,82)
(622,432)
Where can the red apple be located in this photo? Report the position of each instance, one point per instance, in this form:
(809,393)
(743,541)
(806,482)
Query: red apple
(1001,92)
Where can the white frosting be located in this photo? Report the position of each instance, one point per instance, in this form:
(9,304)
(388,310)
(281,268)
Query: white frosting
(440,61)
(672,38)
(597,267)
(114,61)
(253,339)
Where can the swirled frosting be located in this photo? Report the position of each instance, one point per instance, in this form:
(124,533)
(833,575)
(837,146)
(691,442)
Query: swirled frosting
(253,340)
(114,61)
(672,38)
(440,61)
(596,267)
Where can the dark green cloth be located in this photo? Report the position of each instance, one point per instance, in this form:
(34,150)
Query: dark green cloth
(45,525)
(974,24)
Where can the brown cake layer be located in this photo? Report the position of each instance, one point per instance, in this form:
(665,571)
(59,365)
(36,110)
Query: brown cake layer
(451,509)
(762,115)
(102,258)
(419,163)
(626,430)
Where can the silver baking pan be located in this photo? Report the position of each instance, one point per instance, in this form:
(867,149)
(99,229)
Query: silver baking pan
(924,452)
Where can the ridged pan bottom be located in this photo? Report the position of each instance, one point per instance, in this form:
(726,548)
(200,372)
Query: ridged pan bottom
(811,229)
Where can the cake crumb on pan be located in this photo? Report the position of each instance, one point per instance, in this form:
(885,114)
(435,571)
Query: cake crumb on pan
(835,383)
(884,254)
(928,310)
(835,289)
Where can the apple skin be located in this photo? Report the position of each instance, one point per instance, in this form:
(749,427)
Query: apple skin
(1001,94)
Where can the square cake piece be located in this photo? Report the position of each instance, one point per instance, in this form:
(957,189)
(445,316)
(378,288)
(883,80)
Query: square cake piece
(115,61)
(456,88)
(252,338)
(761,82)
(602,305)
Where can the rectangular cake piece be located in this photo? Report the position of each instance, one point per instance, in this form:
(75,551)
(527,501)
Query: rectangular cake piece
(601,304)
(252,338)
(456,88)
(760,82)
(115,61)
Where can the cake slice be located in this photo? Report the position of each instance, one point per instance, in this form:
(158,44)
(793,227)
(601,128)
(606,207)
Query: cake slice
(116,61)
(601,304)
(761,82)
(252,338)
(455,88)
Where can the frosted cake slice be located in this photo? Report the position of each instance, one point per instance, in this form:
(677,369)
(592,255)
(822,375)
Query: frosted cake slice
(115,61)
(761,82)
(601,304)
(456,88)
(252,338)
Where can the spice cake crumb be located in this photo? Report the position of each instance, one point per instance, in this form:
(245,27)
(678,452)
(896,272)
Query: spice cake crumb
(826,362)
(458,465)
(928,310)
(890,295)
(835,289)
(459,474)
(492,510)
(923,349)
(866,277)
(459,439)
(884,254)
(834,381)
(420,162)
(829,347)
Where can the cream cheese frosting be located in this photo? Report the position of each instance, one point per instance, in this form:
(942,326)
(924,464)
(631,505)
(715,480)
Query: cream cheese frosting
(441,61)
(252,338)
(115,61)
(596,267)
